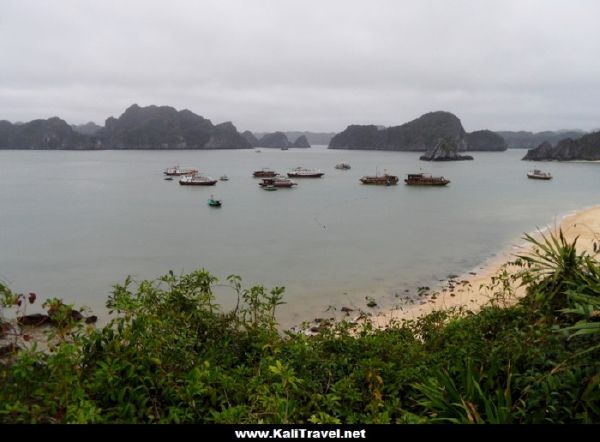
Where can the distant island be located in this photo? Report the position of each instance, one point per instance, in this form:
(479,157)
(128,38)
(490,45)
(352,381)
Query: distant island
(530,140)
(417,135)
(151,127)
(313,138)
(585,148)
(164,127)
(276,140)
(52,133)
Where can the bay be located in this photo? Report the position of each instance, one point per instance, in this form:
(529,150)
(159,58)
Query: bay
(74,223)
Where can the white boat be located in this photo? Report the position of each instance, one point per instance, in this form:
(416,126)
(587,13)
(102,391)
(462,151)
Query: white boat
(197,180)
(537,174)
(177,171)
(300,172)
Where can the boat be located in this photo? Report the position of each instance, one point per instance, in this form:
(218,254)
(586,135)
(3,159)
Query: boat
(264,173)
(425,179)
(342,166)
(277,182)
(257,151)
(380,180)
(537,174)
(168,178)
(224,178)
(270,187)
(197,180)
(213,202)
(284,148)
(300,172)
(177,171)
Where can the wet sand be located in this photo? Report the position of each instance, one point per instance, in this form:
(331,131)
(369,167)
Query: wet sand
(476,288)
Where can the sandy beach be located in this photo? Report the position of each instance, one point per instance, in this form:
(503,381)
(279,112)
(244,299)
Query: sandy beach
(475,288)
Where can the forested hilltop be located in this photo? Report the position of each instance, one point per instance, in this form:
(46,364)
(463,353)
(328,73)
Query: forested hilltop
(585,148)
(151,127)
(418,135)
(171,355)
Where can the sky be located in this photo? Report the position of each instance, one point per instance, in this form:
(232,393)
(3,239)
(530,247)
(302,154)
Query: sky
(315,65)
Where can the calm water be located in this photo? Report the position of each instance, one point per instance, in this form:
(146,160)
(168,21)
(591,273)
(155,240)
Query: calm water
(74,223)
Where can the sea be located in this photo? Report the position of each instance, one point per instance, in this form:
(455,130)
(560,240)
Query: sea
(75,223)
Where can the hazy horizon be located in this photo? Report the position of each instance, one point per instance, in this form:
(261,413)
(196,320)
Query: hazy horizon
(267,65)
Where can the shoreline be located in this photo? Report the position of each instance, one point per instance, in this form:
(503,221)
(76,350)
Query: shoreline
(473,289)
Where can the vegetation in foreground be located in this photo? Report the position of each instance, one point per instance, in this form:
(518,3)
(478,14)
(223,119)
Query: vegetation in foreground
(171,355)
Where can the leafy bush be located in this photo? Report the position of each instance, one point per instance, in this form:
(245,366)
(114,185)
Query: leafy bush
(170,354)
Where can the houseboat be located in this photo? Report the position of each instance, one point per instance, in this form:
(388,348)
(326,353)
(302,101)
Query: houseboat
(380,180)
(277,182)
(197,180)
(300,172)
(177,171)
(425,179)
(264,173)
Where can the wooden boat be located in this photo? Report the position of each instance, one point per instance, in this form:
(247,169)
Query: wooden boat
(169,178)
(342,166)
(264,173)
(270,187)
(197,180)
(177,171)
(213,202)
(425,179)
(224,178)
(300,172)
(537,174)
(380,180)
(277,182)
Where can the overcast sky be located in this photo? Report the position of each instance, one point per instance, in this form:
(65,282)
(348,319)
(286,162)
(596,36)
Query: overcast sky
(309,65)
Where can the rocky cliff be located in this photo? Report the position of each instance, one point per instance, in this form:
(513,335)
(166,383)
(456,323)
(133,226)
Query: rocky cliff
(444,150)
(485,140)
(417,135)
(52,133)
(250,138)
(163,127)
(275,140)
(152,127)
(90,128)
(586,148)
(301,141)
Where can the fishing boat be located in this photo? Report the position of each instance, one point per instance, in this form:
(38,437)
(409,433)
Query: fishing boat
(197,180)
(537,174)
(213,202)
(177,171)
(380,180)
(425,179)
(264,173)
(224,178)
(342,166)
(301,172)
(277,182)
